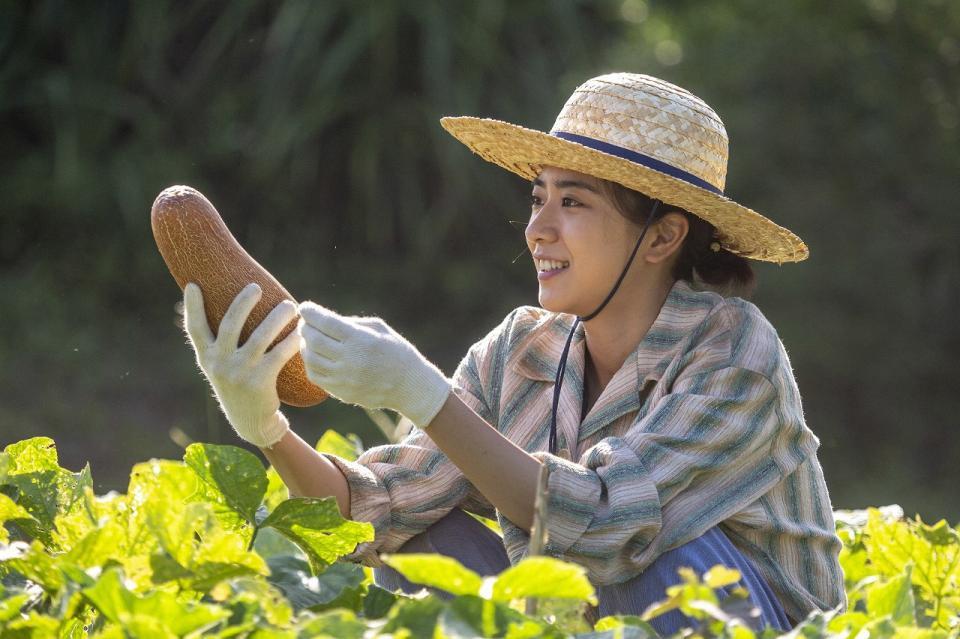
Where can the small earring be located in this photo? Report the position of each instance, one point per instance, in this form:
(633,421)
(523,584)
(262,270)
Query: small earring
(715,247)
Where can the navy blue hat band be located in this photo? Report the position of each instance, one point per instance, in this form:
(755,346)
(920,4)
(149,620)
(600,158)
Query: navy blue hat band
(639,158)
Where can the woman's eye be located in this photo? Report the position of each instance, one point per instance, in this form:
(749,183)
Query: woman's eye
(569,201)
(535,201)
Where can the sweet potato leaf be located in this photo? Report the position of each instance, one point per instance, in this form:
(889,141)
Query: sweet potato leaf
(543,577)
(230,476)
(436,571)
(318,528)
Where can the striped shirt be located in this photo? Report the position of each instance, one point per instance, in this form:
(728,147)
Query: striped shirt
(702,425)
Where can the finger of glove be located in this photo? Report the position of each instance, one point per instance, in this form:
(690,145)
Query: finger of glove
(281,353)
(375,324)
(319,368)
(321,343)
(326,321)
(271,326)
(195,317)
(236,316)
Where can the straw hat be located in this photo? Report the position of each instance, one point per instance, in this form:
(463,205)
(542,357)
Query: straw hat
(648,135)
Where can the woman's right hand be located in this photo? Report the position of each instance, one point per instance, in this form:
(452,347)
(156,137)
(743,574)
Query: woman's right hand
(244,378)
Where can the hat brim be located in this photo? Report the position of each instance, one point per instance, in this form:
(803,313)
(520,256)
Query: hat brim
(525,152)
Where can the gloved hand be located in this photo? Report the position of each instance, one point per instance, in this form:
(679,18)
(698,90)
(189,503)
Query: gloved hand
(245,378)
(362,361)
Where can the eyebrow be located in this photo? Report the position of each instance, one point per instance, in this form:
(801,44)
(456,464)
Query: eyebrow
(567,184)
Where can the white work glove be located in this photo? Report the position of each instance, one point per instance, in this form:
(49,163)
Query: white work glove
(245,378)
(362,361)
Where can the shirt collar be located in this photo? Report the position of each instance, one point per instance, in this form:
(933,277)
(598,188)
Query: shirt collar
(538,356)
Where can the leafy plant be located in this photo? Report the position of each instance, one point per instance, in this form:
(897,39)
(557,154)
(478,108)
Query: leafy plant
(213,546)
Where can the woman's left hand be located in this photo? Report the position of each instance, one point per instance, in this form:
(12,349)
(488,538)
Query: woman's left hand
(362,361)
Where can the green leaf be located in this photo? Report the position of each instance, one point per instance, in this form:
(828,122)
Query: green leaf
(472,616)
(33,625)
(530,629)
(33,562)
(849,622)
(909,632)
(436,571)
(260,597)
(417,616)
(36,454)
(277,491)
(118,604)
(37,493)
(342,624)
(624,621)
(235,476)
(854,565)
(544,577)
(153,512)
(194,539)
(270,542)
(97,547)
(43,491)
(338,584)
(893,598)
(882,627)
(318,528)
(892,545)
(10,511)
(378,602)
(623,632)
(939,534)
(156,487)
(719,576)
(336,444)
(10,605)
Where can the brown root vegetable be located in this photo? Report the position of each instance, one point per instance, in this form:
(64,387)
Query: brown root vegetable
(197,247)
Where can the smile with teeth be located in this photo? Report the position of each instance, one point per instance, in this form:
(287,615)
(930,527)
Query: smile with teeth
(550,265)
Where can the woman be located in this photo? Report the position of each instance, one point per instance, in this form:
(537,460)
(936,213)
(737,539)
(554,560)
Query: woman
(668,417)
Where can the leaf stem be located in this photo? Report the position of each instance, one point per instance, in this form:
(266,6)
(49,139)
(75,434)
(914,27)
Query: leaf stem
(253,538)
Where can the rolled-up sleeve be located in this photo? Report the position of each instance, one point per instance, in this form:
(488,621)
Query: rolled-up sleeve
(703,452)
(402,489)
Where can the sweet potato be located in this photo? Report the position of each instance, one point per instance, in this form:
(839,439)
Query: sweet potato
(197,247)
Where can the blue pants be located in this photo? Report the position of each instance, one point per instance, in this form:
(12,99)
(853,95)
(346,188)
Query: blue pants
(462,537)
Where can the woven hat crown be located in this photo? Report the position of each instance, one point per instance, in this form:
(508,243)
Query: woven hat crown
(651,117)
(647,135)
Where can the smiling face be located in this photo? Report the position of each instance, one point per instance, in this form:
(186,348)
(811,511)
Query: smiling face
(574,224)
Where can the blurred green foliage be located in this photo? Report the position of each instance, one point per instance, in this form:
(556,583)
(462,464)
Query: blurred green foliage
(312,126)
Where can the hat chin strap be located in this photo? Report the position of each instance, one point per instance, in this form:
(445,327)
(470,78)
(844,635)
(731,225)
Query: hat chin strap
(561,369)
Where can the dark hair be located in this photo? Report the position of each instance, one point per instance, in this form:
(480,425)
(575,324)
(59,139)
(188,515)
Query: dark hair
(721,271)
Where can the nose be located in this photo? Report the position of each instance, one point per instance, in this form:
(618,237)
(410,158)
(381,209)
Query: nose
(542,226)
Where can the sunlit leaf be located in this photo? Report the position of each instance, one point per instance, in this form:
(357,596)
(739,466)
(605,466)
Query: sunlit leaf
(436,571)
(234,476)
(719,576)
(318,528)
(342,624)
(336,444)
(10,511)
(893,598)
(543,577)
(118,604)
(36,454)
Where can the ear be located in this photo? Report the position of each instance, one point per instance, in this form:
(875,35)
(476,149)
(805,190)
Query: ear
(668,235)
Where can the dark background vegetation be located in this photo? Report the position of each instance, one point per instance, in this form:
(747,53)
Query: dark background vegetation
(312,126)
